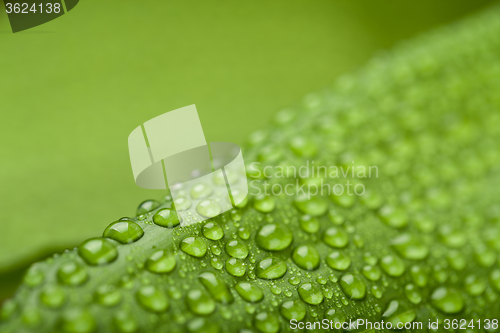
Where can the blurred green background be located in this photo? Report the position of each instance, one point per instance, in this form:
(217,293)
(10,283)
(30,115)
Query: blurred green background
(74,88)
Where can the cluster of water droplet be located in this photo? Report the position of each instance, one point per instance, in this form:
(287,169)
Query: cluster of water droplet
(421,243)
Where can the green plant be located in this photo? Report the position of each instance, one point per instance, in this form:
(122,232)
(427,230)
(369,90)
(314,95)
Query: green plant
(422,242)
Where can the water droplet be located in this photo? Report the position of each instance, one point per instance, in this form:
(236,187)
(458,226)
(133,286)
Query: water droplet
(202,325)
(208,208)
(264,204)
(34,277)
(399,313)
(166,218)
(376,291)
(53,296)
(447,300)
(270,268)
(152,299)
(274,237)
(413,294)
(370,259)
(335,316)
(216,287)
(147,206)
(124,232)
(235,267)
(8,308)
(161,261)
(293,309)
(216,263)
(419,275)
(393,217)
(194,246)
(311,293)
(495,279)
(410,247)
(371,200)
(266,322)
(76,320)
(343,200)
(182,203)
(336,217)
(237,249)
(125,322)
(313,206)
(244,233)
(306,257)
(353,286)
(294,280)
(456,260)
(250,292)
(336,237)
(484,256)
(72,273)
(474,285)
(303,147)
(338,261)
(97,251)
(108,295)
(372,273)
(392,265)
(201,190)
(451,236)
(213,231)
(309,224)
(199,302)
(31,316)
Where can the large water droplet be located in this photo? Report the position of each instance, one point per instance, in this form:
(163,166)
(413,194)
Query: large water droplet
(125,322)
(270,268)
(199,302)
(166,218)
(76,320)
(410,247)
(353,286)
(53,296)
(194,246)
(97,251)
(182,203)
(202,325)
(216,287)
(274,237)
(393,265)
(152,299)
(266,322)
(237,249)
(339,261)
(209,208)
(475,285)
(108,295)
(235,267)
(393,217)
(213,231)
(161,261)
(309,224)
(399,313)
(372,273)
(306,257)
(34,277)
(311,293)
(413,294)
(336,237)
(147,206)
(293,309)
(314,206)
(250,292)
(123,231)
(201,190)
(419,275)
(447,300)
(264,204)
(72,273)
